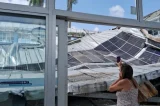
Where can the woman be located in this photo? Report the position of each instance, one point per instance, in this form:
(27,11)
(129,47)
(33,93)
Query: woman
(126,87)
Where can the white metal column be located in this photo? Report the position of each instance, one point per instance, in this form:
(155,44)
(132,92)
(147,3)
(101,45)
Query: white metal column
(50,80)
(62,63)
(139,6)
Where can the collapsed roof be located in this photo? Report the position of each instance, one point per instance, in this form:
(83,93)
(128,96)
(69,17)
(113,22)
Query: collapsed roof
(91,62)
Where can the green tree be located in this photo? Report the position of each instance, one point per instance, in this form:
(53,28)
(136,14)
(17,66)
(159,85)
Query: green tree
(38,3)
(69,8)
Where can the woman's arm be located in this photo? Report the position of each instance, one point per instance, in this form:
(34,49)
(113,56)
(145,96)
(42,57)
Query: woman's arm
(117,86)
(115,82)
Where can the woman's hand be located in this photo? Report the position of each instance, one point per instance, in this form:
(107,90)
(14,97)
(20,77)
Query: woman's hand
(120,76)
(119,64)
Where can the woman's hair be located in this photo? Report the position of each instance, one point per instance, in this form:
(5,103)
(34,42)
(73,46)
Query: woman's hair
(127,71)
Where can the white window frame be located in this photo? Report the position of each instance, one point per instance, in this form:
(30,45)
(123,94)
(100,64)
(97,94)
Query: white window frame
(51,14)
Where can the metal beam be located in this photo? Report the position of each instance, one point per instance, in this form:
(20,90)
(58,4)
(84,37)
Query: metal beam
(111,96)
(62,63)
(139,6)
(21,13)
(154,100)
(25,19)
(22,9)
(50,63)
(104,20)
(50,80)
(99,95)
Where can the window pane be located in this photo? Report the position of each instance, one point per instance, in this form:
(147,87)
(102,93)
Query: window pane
(22,59)
(115,8)
(37,3)
(92,57)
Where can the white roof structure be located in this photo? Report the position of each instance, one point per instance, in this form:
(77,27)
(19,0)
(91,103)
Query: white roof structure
(94,76)
(91,41)
(91,63)
(99,79)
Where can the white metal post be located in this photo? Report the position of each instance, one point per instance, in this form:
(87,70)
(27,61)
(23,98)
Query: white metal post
(62,63)
(49,99)
(139,6)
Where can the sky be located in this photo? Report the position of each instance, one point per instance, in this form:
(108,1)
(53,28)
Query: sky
(116,8)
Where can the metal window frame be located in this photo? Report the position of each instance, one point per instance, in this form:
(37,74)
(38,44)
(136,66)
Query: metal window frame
(23,8)
(139,6)
(50,79)
(62,63)
(104,20)
(51,15)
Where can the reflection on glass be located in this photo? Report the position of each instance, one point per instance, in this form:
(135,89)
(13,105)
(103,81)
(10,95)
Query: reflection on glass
(22,58)
(37,3)
(118,8)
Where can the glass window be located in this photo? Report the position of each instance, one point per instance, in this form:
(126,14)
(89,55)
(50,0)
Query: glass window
(115,8)
(37,3)
(150,32)
(153,32)
(89,56)
(22,59)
